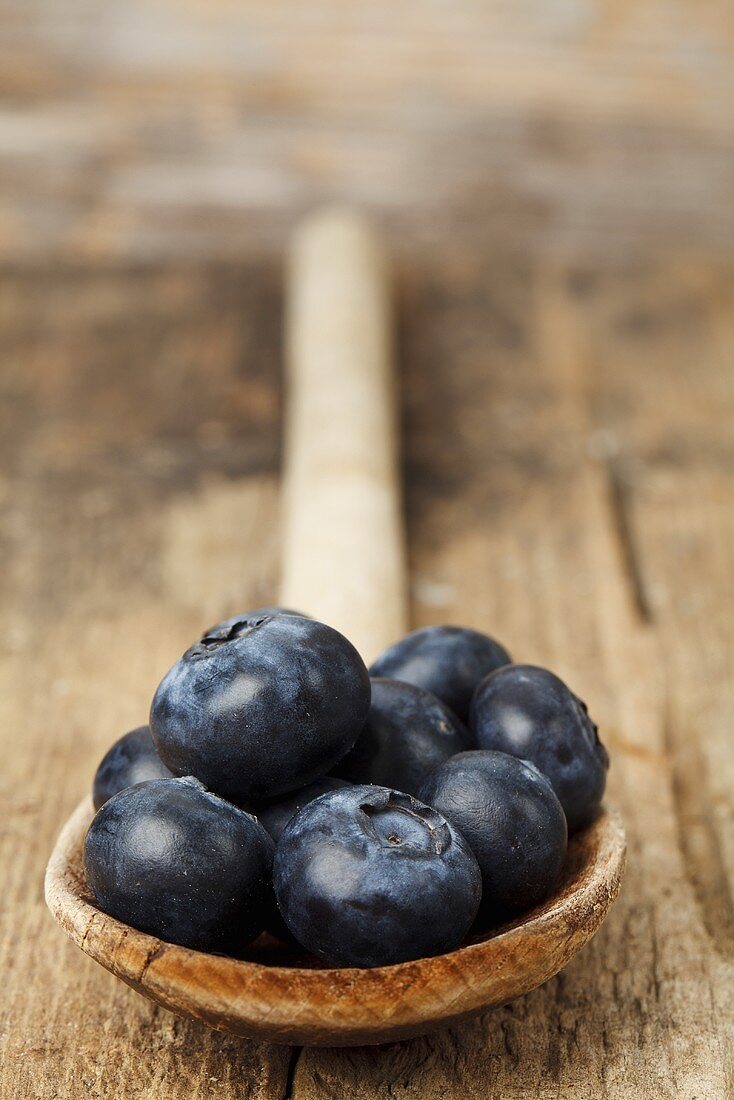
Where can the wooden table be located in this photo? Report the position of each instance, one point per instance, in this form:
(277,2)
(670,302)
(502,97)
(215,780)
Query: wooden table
(556,184)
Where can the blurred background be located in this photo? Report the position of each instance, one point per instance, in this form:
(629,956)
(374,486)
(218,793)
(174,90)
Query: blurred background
(164,128)
(554,181)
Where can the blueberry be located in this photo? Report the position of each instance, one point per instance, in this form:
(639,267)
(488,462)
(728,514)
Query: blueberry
(408,733)
(529,712)
(172,859)
(132,759)
(448,660)
(261,706)
(512,820)
(276,815)
(365,876)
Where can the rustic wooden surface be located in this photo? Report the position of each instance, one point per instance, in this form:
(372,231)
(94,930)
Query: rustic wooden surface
(556,182)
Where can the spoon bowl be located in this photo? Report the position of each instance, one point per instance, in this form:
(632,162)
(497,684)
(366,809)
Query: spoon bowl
(282,995)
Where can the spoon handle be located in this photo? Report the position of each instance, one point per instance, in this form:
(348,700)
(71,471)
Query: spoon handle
(343,556)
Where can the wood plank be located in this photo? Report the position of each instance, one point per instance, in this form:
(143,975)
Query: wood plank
(518,532)
(138,509)
(671,458)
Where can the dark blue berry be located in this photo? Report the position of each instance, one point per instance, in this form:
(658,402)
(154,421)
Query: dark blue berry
(512,820)
(276,815)
(408,733)
(529,712)
(448,660)
(132,759)
(174,860)
(365,876)
(261,706)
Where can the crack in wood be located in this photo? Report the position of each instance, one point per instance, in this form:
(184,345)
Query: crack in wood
(290,1080)
(87,930)
(619,492)
(153,954)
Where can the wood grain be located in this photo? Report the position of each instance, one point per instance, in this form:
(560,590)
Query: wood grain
(556,183)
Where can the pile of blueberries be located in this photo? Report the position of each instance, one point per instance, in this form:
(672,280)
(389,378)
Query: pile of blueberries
(371,816)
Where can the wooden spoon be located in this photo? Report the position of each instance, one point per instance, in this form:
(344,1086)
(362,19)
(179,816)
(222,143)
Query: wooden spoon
(343,562)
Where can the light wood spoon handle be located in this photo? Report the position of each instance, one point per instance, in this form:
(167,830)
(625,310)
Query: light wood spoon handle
(343,540)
